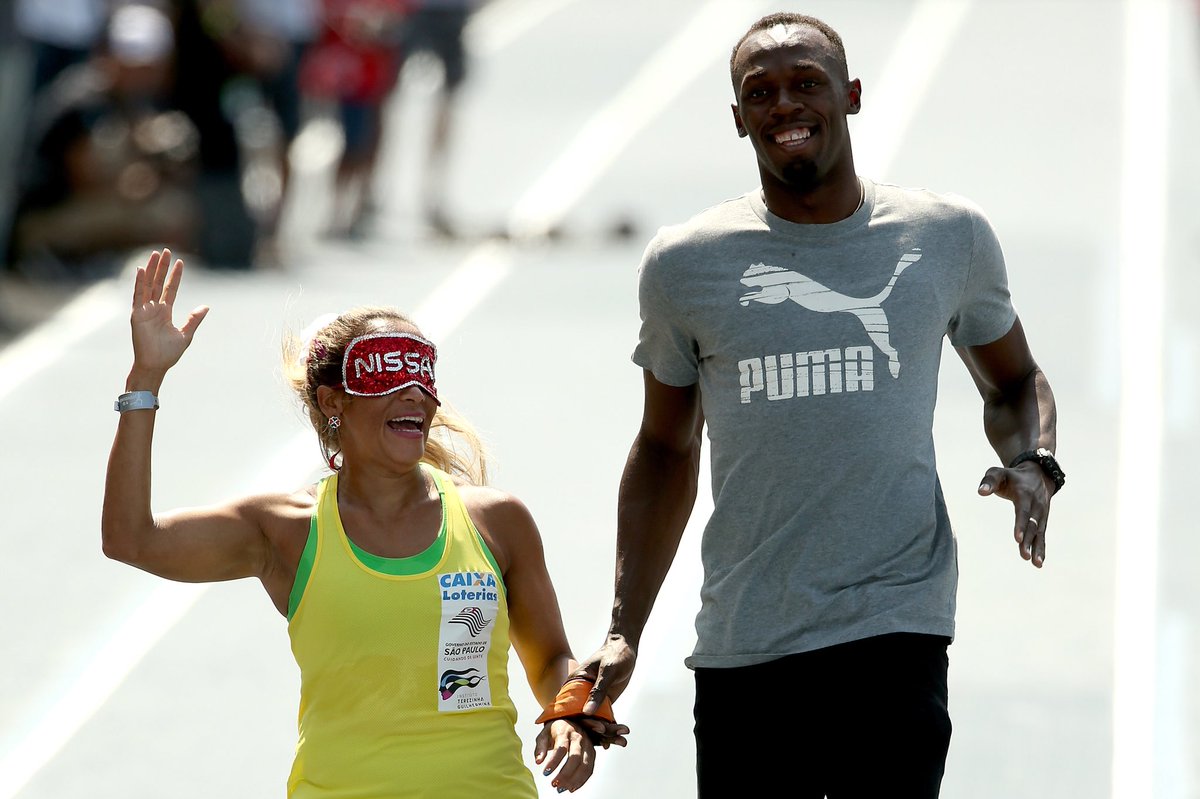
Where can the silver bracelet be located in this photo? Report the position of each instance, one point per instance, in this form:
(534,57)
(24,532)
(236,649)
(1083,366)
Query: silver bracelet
(136,401)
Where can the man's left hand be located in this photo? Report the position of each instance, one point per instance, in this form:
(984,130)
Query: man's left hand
(1029,490)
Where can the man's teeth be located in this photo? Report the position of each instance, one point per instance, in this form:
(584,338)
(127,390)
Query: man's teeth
(794,135)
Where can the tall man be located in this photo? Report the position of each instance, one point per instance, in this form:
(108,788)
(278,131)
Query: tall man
(803,322)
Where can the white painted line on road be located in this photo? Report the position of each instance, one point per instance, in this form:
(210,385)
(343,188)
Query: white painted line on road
(107,669)
(501,22)
(889,105)
(48,343)
(671,70)
(1141,250)
(463,291)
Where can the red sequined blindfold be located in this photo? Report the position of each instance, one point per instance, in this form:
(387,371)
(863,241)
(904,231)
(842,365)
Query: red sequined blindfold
(382,363)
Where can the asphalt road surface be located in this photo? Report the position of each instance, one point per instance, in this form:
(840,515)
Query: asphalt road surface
(1071,123)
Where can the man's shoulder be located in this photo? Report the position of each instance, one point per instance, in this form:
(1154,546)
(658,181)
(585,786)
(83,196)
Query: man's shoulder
(707,226)
(924,203)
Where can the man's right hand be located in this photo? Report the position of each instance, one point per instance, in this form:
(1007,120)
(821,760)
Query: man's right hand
(610,668)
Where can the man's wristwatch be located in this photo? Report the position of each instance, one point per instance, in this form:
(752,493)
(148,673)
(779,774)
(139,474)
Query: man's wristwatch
(1045,459)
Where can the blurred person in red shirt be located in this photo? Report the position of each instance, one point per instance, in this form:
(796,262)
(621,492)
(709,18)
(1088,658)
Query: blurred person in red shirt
(354,65)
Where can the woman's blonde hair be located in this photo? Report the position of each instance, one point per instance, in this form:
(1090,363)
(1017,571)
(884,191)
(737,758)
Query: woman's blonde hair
(316,360)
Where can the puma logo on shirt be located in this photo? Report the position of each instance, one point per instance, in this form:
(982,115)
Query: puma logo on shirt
(774,284)
(828,370)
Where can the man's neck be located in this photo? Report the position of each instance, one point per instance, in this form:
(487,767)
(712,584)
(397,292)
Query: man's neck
(829,202)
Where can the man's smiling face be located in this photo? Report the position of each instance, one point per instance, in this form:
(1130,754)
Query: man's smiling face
(793,96)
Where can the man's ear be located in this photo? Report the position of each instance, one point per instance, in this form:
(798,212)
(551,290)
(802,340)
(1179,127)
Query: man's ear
(854,96)
(737,121)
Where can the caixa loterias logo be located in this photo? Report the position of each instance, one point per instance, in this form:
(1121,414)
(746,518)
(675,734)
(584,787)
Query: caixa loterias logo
(469,586)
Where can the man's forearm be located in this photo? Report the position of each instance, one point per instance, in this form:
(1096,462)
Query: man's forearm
(1023,420)
(657,493)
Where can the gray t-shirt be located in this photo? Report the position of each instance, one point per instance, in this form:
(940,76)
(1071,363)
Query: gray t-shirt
(817,349)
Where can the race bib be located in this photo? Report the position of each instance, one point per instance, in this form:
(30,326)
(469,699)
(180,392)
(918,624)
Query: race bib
(470,604)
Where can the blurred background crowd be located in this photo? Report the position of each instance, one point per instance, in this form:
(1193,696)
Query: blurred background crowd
(136,123)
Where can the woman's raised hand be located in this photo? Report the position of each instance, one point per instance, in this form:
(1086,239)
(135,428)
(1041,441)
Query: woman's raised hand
(157,343)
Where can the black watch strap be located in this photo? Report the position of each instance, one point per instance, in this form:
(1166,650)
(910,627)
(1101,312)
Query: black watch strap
(1045,459)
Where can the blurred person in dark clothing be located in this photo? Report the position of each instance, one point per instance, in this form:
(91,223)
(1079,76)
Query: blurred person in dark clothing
(207,49)
(38,40)
(109,165)
(274,36)
(436,27)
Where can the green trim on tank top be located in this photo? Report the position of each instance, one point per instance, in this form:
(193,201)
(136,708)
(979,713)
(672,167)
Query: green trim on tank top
(304,567)
(487,553)
(419,563)
(396,567)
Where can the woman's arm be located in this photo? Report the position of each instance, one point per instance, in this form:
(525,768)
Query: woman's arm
(535,627)
(194,545)
(535,623)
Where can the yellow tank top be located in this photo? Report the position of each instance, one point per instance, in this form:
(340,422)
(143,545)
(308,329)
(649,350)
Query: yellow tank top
(403,666)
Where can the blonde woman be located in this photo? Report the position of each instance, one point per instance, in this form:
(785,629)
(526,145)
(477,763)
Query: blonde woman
(403,579)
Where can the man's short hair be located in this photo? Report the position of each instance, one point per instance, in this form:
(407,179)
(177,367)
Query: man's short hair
(789,18)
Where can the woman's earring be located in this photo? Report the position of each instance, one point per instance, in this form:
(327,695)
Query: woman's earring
(334,423)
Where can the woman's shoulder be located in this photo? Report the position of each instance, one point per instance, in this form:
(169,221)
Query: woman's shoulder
(493,504)
(279,511)
(502,519)
(285,518)
(282,503)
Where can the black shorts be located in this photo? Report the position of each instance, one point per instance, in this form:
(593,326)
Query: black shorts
(438,31)
(282,91)
(861,720)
